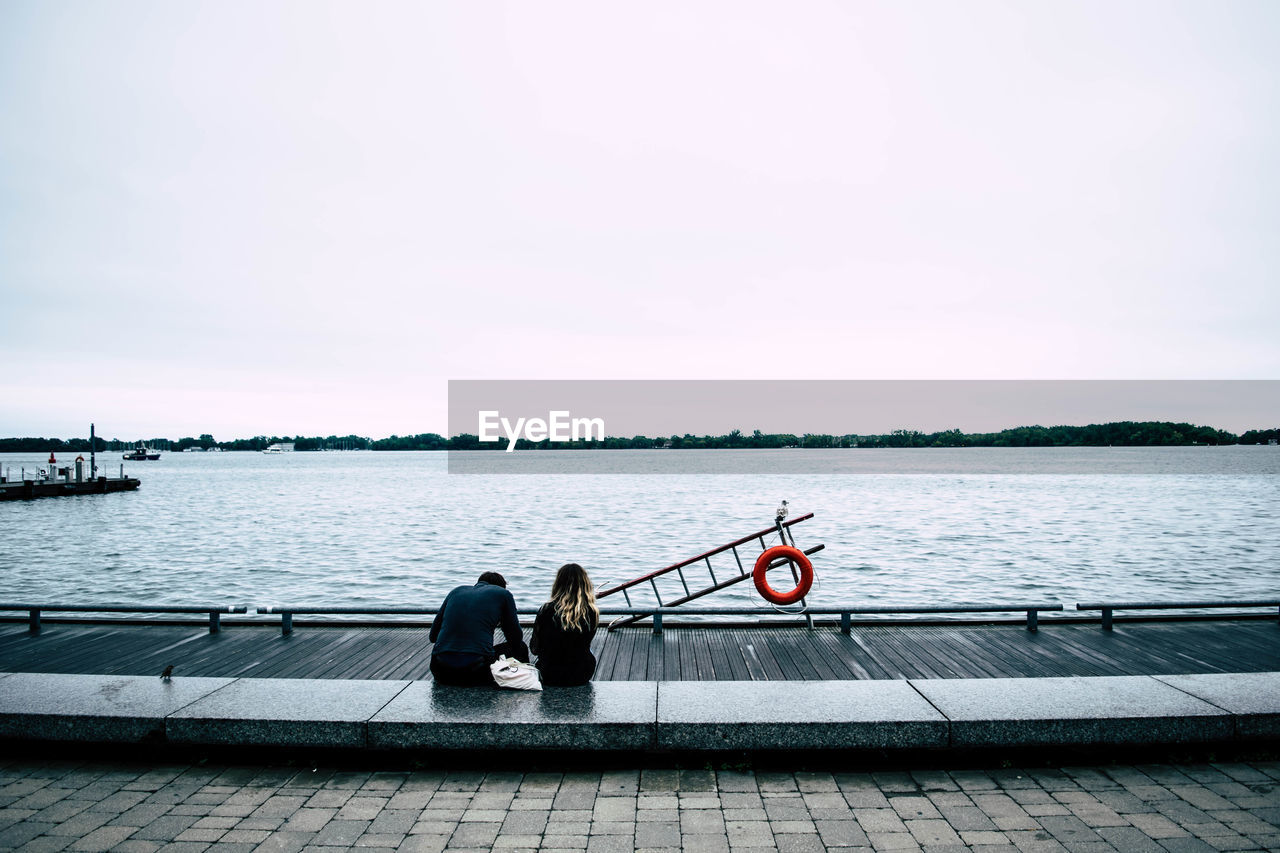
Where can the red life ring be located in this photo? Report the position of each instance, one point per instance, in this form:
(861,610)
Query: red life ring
(795,555)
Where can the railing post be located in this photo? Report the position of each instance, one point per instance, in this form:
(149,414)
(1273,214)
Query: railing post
(1033,620)
(1106,618)
(286,623)
(846,622)
(657,623)
(215,621)
(33,621)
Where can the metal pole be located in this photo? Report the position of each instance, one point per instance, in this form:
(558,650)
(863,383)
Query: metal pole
(93,460)
(782,534)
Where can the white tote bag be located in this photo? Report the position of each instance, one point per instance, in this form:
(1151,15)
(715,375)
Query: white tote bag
(517,675)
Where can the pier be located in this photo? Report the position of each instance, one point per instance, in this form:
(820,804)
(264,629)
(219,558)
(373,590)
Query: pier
(25,490)
(692,687)
(729,737)
(690,653)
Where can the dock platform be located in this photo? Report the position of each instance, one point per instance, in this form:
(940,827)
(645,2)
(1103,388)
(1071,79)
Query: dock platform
(25,490)
(710,653)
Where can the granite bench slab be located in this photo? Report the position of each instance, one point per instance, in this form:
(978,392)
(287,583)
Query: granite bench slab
(1253,698)
(609,715)
(95,708)
(637,716)
(785,715)
(284,712)
(1072,711)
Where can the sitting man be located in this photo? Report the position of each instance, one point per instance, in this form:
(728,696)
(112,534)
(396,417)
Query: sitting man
(463,632)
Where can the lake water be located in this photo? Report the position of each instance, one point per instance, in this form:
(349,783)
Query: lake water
(900,526)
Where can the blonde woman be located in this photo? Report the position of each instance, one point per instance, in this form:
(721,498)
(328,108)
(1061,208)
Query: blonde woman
(564,628)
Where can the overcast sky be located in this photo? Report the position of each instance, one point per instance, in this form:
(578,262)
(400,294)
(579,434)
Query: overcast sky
(284,218)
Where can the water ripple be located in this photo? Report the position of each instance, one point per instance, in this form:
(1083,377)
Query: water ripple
(390,529)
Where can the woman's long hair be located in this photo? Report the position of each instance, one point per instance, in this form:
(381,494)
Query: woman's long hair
(574,598)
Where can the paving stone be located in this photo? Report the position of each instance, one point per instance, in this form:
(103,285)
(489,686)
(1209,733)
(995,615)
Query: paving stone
(893,841)
(1157,826)
(914,808)
(245,836)
(103,838)
(657,834)
(841,833)
(610,844)
(564,842)
(1186,845)
(361,808)
(799,843)
(525,822)
(702,843)
(968,818)
(879,821)
(932,832)
(78,824)
(614,809)
(698,822)
(1069,829)
(165,828)
(425,843)
(284,842)
(136,846)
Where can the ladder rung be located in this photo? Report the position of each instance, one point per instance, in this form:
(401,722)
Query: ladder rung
(711,570)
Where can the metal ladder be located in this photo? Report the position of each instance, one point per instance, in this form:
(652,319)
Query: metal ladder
(782,528)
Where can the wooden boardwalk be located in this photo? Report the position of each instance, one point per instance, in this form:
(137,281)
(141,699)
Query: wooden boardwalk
(679,654)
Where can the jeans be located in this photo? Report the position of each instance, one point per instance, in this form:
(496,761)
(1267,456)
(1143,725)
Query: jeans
(476,673)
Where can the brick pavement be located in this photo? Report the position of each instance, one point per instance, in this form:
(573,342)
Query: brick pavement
(96,805)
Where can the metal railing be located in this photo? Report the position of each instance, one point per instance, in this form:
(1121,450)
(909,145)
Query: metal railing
(1108,609)
(846,613)
(34,610)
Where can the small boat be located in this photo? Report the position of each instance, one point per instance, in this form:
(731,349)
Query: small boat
(141,454)
(280,447)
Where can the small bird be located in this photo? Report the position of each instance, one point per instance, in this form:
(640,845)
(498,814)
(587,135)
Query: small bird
(782,512)
(167,674)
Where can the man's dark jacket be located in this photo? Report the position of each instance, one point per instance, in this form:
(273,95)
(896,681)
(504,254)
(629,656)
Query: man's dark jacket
(463,629)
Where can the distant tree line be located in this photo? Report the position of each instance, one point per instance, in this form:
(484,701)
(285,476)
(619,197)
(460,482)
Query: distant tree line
(1119,434)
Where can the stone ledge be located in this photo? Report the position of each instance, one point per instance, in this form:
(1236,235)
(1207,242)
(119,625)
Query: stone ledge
(1252,698)
(284,712)
(1136,710)
(607,715)
(643,716)
(781,715)
(95,708)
